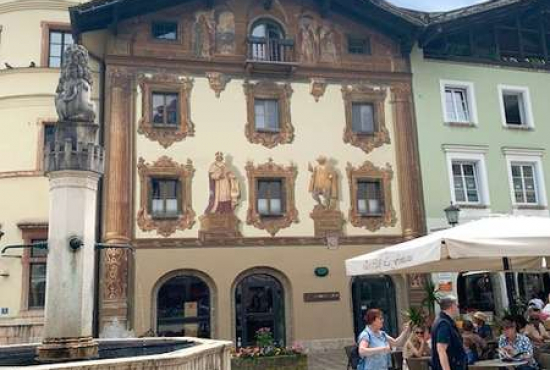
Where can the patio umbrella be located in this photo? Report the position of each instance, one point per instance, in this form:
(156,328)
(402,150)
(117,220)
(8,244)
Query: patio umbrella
(473,246)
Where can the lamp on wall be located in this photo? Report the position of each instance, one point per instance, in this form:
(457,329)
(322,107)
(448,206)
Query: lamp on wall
(452,213)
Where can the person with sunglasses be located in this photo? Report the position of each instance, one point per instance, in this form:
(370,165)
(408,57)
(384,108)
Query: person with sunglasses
(418,344)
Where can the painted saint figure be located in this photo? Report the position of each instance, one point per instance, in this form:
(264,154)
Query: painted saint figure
(323,184)
(224,188)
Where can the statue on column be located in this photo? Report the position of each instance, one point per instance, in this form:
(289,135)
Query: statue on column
(73,93)
(219,220)
(323,186)
(224,188)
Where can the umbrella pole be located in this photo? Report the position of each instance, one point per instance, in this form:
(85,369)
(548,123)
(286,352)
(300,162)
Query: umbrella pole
(510,285)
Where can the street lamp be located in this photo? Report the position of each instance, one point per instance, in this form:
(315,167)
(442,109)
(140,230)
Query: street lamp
(452,213)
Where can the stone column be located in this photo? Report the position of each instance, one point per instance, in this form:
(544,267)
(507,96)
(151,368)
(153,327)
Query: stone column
(412,215)
(117,210)
(70,274)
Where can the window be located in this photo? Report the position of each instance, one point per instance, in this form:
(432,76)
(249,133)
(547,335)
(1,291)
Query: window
(266,112)
(526,179)
(164,197)
(34,262)
(515,107)
(362,118)
(458,102)
(37,276)
(165,30)
(58,42)
(358,45)
(468,181)
(465,182)
(524,182)
(266,42)
(270,197)
(165,109)
(271,204)
(365,117)
(166,117)
(369,197)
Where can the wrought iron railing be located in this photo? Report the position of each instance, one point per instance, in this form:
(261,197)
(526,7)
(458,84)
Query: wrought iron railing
(270,50)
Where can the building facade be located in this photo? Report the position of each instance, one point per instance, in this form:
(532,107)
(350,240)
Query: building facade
(251,148)
(32,37)
(480,79)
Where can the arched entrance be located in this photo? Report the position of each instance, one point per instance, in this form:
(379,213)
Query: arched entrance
(183,307)
(374,292)
(259,303)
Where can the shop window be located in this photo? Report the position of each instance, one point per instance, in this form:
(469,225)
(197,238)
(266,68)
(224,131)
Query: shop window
(475,292)
(183,308)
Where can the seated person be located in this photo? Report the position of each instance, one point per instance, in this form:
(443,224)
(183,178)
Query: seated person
(474,345)
(480,326)
(511,344)
(418,344)
(535,329)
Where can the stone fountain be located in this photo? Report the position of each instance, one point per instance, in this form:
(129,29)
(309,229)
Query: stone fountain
(74,163)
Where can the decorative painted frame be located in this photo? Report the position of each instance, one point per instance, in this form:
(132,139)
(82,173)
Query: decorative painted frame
(366,94)
(269,90)
(165,135)
(166,167)
(369,171)
(271,170)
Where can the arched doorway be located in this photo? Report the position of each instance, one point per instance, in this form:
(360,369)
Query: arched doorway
(183,307)
(259,303)
(374,292)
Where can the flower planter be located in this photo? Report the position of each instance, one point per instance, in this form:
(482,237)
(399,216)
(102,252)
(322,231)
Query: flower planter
(287,362)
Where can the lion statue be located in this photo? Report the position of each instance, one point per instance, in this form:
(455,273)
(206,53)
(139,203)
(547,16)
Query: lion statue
(73,93)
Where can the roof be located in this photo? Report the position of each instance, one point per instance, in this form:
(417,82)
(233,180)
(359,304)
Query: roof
(99,14)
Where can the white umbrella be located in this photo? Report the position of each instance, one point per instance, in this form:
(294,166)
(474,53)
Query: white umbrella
(476,245)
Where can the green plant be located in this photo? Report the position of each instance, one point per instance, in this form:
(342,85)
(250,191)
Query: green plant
(264,338)
(415,315)
(431,296)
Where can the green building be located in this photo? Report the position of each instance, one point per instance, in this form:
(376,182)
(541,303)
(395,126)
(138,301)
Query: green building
(481,80)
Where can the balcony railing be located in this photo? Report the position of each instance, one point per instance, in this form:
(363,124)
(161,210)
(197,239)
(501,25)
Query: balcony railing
(261,49)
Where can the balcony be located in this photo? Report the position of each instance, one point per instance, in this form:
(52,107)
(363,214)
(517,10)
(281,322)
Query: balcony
(270,56)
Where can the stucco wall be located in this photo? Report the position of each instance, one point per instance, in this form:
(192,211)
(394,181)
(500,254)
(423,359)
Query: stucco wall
(433,133)
(220,126)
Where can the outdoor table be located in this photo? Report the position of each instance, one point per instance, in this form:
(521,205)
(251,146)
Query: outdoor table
(419,363)
(497,364)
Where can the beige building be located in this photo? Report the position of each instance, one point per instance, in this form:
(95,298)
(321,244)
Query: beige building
(216,114)
(32,35)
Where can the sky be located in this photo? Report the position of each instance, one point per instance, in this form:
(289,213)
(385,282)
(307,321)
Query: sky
(434,5)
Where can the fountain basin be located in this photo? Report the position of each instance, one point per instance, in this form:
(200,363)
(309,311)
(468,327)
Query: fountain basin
(135,354)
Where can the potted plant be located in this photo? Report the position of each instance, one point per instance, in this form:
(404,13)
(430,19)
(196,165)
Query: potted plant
(266,355)
(415,316)
(430,298)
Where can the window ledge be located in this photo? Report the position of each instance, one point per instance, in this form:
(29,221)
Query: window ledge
(162,126)
(32,313)
(529,207)
(157,217)
(473,206)
(460,124)
(519,127)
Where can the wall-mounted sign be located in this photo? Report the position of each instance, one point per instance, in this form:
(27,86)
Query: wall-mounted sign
(321,297)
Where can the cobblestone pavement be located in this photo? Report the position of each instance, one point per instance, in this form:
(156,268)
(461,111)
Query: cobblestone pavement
(330,360)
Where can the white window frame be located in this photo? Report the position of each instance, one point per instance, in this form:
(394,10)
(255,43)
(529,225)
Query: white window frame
(470,101)
(473,154)
(527,108)
(475,165)
(534,158)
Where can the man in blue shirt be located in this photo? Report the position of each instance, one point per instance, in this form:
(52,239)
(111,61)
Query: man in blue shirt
(447,348)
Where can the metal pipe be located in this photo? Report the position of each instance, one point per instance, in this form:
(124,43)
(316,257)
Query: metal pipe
(40,245)
(114,246)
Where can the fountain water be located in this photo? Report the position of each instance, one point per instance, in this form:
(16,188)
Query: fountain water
(74,163)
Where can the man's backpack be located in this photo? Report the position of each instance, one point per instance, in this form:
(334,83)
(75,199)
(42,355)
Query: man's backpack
(353,357)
